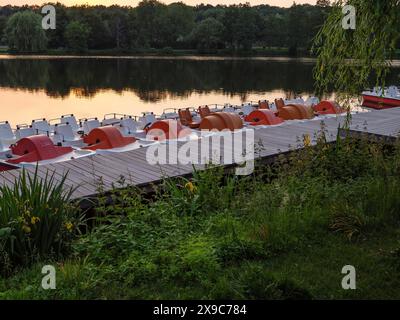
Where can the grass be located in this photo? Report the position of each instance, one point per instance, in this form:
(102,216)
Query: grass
(283,233)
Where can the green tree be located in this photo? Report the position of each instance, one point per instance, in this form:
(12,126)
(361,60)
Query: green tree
(180,23)
(241,24)
(99,30)
(133,34)
(247,27)
(273,34)
(231,15)
(151,21)
(349,59)
(208,33)
(56,37)
(76,36)
(24,32)
(296,25)
(3,23)
(117,21)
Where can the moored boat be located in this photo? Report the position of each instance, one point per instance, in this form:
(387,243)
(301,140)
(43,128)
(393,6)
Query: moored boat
(66,138)
(382,99)
(39,150)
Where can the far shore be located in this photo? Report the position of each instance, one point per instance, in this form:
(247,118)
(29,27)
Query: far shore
(167,52)
(267,54)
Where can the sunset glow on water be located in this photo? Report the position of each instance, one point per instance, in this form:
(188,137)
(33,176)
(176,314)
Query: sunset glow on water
(21,106)
(41,87)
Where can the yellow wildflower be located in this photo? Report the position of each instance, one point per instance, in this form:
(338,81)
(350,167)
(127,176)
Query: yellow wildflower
(68,226)
(190,186)
(34,220)
(307,140)
(26,228)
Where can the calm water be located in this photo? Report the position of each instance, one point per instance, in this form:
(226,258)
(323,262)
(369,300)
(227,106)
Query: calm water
(38,87)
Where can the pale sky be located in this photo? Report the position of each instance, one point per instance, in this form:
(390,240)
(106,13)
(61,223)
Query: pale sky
(280,3)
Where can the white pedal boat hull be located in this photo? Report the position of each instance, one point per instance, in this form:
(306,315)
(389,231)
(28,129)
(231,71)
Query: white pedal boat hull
(75,154)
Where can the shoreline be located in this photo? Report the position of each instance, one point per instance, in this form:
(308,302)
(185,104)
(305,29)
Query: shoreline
(167,52)
(155,57)
(186,55)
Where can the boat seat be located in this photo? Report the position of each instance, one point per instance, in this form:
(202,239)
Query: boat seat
(7,136)
(229,108)
(108,122)
(24,131)
(128,126)
(64,134)
(169,113)
(71,120)
(147,119)
(272,106)
(41,126)
(204,111)
(4,150)
(247,109)
(294,101)
(392,91)
(90,124)
(185,116)
(263,104)
(377,91)
(311,101)
(279,103)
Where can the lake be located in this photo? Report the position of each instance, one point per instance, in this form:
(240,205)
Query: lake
(47,87)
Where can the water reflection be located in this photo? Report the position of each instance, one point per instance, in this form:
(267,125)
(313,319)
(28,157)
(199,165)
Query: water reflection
(153,79)
(47,87)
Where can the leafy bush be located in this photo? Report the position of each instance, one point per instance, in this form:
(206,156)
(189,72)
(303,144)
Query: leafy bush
(37,220)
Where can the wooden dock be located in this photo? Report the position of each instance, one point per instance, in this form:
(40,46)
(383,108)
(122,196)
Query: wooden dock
(104,172)
(381,125)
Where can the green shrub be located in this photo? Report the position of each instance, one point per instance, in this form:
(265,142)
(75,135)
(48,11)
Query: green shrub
(37,220)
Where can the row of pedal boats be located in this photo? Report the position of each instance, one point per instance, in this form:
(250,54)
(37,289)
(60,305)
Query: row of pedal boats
(67,138)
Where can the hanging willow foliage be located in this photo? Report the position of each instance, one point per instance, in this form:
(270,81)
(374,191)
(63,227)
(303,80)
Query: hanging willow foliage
(351,60)
(24,32)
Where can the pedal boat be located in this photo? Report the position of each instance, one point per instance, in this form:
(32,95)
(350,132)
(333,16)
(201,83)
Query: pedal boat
(39,150)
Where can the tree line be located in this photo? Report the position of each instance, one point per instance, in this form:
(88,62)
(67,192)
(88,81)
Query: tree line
(146,77)
(153,24)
